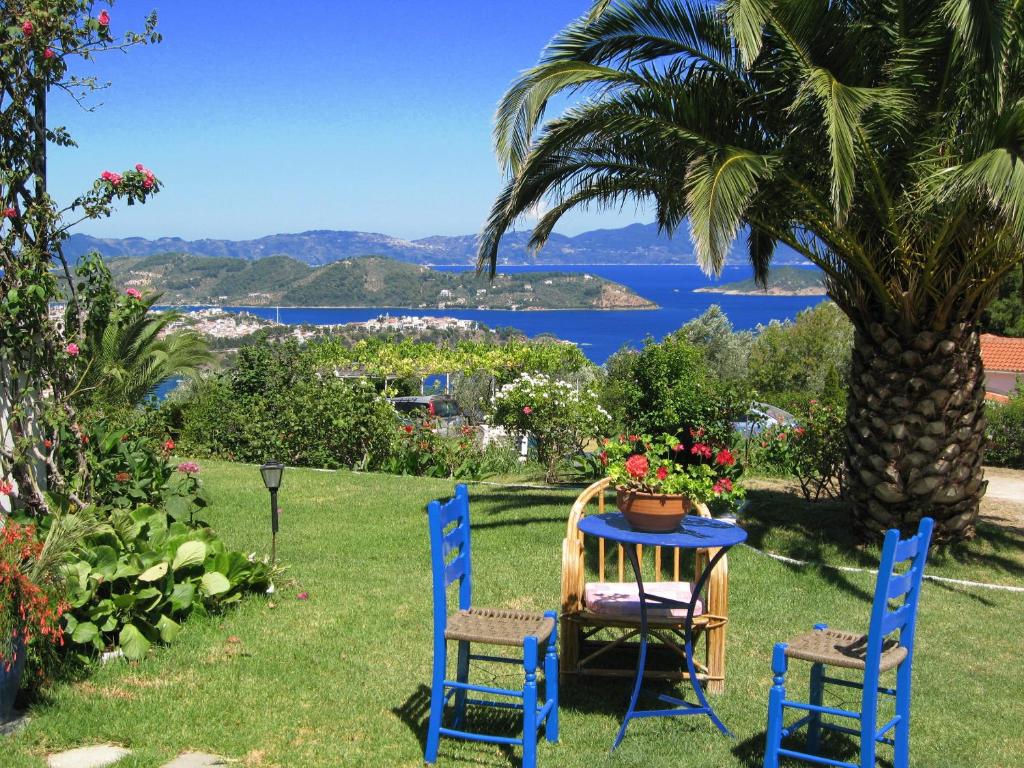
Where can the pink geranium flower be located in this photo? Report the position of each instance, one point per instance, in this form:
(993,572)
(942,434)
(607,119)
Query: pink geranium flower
(72,349)
(134,293)
(637,466)
(188,467)
(527,410)
(701,449)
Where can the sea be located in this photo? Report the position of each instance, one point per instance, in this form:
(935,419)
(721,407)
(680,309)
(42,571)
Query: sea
(599,333)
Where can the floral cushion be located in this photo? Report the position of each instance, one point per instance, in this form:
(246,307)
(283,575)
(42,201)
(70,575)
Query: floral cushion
(615,598)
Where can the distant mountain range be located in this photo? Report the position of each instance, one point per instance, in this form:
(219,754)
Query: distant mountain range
(636,243)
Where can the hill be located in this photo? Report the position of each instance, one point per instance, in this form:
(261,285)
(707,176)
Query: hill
(782,281)
(368,281)
(635,244)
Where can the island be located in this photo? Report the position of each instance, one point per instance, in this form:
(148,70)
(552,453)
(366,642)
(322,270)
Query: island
(782,281)
(366,281)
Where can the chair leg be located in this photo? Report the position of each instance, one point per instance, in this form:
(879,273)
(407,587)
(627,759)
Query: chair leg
(715,639)
(817,692)
(530,703)
(462,675)
(551,681)
(436,700)
(570,648)
(777,694)
(901,757)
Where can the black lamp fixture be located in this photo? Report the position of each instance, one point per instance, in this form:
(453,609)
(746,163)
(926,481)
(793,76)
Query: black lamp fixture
(272,472)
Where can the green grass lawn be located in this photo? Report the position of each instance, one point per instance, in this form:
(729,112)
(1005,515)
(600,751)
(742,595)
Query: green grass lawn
(341,678)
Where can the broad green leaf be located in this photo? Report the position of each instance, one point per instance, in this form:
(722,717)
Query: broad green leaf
(168,628)
(158,571)
(214,583)
(190,553)
(104,561)
(182,597)
(85,632)
(133,643)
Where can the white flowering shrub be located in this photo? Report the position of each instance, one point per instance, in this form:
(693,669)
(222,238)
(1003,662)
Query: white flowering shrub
(561,416)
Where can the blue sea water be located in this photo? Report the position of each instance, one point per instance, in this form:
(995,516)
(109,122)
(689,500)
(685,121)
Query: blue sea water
(599,333)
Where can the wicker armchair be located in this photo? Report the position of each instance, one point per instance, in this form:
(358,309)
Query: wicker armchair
(591,632)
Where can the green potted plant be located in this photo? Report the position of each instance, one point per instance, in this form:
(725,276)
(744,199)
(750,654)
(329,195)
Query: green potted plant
(658,479)
(31,598)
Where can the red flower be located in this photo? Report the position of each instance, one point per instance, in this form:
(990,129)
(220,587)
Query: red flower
(724,485)
(302,596)
(6,488)
(637,465)
(799,431)
(27,28)
(695,433)
(147,183)
(122,477)
(48,53)
(634,438)
(48,443)
(72,349)
(133,293)
(85,439)
(125,438)
(782,436)
(725,458)
(408,429)
(679,447)
(527,410)
(168,445)
(662,473)
(603,456)
(10,213)
(701,449)
(103,18)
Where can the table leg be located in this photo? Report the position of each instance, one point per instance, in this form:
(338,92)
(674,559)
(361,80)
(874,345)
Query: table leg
(642,661)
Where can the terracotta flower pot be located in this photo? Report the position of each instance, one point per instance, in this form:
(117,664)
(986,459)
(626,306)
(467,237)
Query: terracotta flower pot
(650,512)
(10,680)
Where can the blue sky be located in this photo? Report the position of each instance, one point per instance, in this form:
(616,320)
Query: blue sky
(264,117)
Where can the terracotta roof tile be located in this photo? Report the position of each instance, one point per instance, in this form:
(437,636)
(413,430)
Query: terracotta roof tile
(995,397)
(1000,353)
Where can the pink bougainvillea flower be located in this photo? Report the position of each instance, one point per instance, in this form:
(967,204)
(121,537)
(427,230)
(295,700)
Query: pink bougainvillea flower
(134,293)
(662,473)
(106,175)
(140,167)
(147,183)
(27,28)
(701,449)
(637,466)
(188,467)
(527,410)
(10,213)
(725,458)
(6,488)
(48,53)
(302,596)
(72,349)
(103,18)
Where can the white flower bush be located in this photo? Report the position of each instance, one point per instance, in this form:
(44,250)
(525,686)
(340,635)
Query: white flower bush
(560,415)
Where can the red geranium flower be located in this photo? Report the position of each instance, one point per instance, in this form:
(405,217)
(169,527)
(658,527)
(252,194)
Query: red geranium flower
(782,435)
(408,429)
(637,466)
(799,431)
(701,449)
(6,488)
(27,28)
(603,456)
(168,445)
(725,458)
(662,473)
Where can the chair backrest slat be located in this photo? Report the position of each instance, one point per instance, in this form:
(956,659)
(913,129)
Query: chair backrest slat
(907,548)
(443,545)
(897,619)
(900,584)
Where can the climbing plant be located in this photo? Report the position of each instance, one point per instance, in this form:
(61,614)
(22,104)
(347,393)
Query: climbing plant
(41,42)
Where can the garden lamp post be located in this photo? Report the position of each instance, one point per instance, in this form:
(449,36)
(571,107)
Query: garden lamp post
(272,472)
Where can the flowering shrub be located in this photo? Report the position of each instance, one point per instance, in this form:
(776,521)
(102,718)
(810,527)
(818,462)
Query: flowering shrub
(31,602)
(560,416)
(813,453)
(664,465)
(1006,432)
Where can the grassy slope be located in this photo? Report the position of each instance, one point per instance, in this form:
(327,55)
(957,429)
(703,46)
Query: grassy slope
(342,678)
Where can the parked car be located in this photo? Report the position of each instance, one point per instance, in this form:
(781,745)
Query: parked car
(441,409)
(762,416)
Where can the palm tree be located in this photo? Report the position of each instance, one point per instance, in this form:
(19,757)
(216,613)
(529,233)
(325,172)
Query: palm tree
(129,353)
(878,138)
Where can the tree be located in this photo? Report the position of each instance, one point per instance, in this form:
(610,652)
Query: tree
(881,140)
(39,41)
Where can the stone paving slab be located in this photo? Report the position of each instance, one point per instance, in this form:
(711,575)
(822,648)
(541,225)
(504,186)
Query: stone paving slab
(97,756)
(12,726)
(195,760)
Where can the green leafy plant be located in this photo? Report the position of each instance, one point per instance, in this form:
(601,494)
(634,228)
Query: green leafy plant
(1006,432)
(665,465)
(142,573)
(560,416)
(421,450)
(813,452)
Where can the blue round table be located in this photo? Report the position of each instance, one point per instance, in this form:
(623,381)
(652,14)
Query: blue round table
(693,533)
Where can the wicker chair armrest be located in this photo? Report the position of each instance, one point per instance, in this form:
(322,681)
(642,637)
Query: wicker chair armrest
(572,575)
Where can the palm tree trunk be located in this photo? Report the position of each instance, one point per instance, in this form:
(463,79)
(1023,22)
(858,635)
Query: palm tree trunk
(915,427)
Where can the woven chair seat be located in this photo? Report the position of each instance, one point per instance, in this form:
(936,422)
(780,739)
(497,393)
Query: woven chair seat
(496,627)
(842,649)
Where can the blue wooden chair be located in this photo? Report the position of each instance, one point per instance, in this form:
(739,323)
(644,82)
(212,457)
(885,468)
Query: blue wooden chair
(888,645)
(450,560)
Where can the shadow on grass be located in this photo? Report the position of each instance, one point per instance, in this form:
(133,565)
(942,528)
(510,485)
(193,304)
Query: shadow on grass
(415,713)
(821,532)
(836,746)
